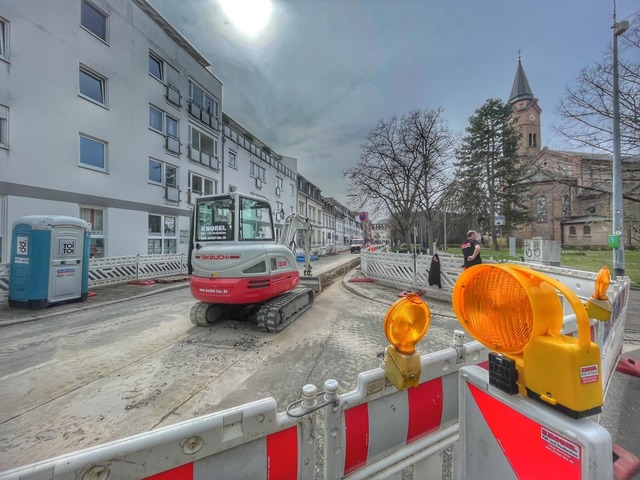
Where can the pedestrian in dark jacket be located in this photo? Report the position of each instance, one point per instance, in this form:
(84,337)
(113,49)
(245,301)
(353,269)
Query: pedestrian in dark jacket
(434,271)
(471,250)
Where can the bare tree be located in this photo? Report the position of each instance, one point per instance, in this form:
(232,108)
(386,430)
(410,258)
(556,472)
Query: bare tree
(587,106)
(427,138)
(401,165)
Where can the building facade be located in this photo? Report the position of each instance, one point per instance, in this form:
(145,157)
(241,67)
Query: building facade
(109,114)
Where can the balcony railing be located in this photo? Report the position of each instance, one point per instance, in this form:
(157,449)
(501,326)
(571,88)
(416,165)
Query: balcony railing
(172,144)
(173,95)
(205,158)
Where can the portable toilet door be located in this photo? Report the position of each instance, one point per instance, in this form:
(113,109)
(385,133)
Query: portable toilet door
(70,242)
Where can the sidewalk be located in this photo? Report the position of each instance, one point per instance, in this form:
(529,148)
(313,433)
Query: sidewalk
(105,295)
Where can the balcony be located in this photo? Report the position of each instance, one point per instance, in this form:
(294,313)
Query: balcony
(203,115)
(173,95)
(172,193)
(172,144)
(204,158)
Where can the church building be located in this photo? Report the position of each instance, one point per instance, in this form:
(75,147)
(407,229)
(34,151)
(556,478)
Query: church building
(570,192)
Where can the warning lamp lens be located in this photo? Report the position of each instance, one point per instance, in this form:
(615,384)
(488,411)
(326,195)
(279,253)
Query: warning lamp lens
(603,279)
(406,323)
(495,309)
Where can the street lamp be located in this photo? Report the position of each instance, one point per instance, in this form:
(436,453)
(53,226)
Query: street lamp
(617,207)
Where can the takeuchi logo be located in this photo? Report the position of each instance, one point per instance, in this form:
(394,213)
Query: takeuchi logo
(218,257)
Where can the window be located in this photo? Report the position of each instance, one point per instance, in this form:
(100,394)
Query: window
(156,119)
(572,231)
(92,86)
(203,148)
(162,173)
(255,220)
(258,172)
(4,39)
(155,67)
(201,185)
(94,20)
(162,235)
(293,189)
(533,142)
(586,230)
(232,159)
(95,216)
(203,99)
(279,183)
(4,126)
(163,123)
(542,208)
(92,153)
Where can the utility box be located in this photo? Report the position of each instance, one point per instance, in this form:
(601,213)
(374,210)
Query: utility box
(540,250)
(49,260)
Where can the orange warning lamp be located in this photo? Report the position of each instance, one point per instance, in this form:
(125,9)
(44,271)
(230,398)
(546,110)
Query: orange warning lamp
(516,312)
(599,306)
(405,324)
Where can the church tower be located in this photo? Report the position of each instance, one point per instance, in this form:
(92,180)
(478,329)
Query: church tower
(526,108)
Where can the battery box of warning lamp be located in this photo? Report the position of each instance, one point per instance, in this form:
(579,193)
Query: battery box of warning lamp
(503,373)
(566,376)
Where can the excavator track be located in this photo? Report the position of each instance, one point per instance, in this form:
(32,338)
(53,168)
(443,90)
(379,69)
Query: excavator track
(280,312)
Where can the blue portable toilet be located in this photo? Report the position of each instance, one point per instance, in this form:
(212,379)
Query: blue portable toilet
(49,260)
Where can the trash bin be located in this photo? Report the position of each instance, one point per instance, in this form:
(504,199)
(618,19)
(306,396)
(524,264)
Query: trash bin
(49,260)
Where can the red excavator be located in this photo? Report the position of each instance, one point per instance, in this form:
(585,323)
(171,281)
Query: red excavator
(237,267)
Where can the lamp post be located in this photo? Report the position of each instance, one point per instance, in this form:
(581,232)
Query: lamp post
(617,205)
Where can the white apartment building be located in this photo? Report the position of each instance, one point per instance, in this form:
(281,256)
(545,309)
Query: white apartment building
(109,114)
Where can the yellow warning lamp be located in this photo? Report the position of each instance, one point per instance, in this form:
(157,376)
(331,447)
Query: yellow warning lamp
(516,312)
(405,324)
(599,305)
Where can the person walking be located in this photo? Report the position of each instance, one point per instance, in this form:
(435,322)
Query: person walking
(471,250)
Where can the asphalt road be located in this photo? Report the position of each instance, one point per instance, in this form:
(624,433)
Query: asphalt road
(91,376)
(101,374)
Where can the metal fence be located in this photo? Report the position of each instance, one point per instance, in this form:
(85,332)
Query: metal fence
(111,270)
(410,271)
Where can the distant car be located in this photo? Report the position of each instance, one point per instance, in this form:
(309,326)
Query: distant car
(356,245)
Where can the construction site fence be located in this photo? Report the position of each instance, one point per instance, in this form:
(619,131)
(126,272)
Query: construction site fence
(112,270)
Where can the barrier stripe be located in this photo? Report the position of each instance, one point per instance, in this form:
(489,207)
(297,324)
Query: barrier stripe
(274,457)
(185,472)
(425,409)
(383,425)
(356,421)
(282,455)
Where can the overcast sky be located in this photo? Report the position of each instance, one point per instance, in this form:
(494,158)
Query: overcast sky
(315,81)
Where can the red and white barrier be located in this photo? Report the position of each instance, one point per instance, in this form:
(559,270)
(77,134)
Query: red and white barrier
(250,442)
(377,427)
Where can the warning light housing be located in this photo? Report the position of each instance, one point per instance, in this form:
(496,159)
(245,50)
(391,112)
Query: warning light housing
(516,311)
(599,306)
(405,324)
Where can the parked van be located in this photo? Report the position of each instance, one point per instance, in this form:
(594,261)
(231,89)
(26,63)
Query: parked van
(356,244)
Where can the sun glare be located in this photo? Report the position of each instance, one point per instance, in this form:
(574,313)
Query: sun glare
(248,16)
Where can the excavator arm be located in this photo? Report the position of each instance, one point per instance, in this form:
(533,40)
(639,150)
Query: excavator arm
(293,224)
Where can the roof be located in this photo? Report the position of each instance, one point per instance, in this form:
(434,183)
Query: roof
(521,89)
(172,32)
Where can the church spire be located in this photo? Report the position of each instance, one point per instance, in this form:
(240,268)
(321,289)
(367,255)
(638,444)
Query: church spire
(521,89)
